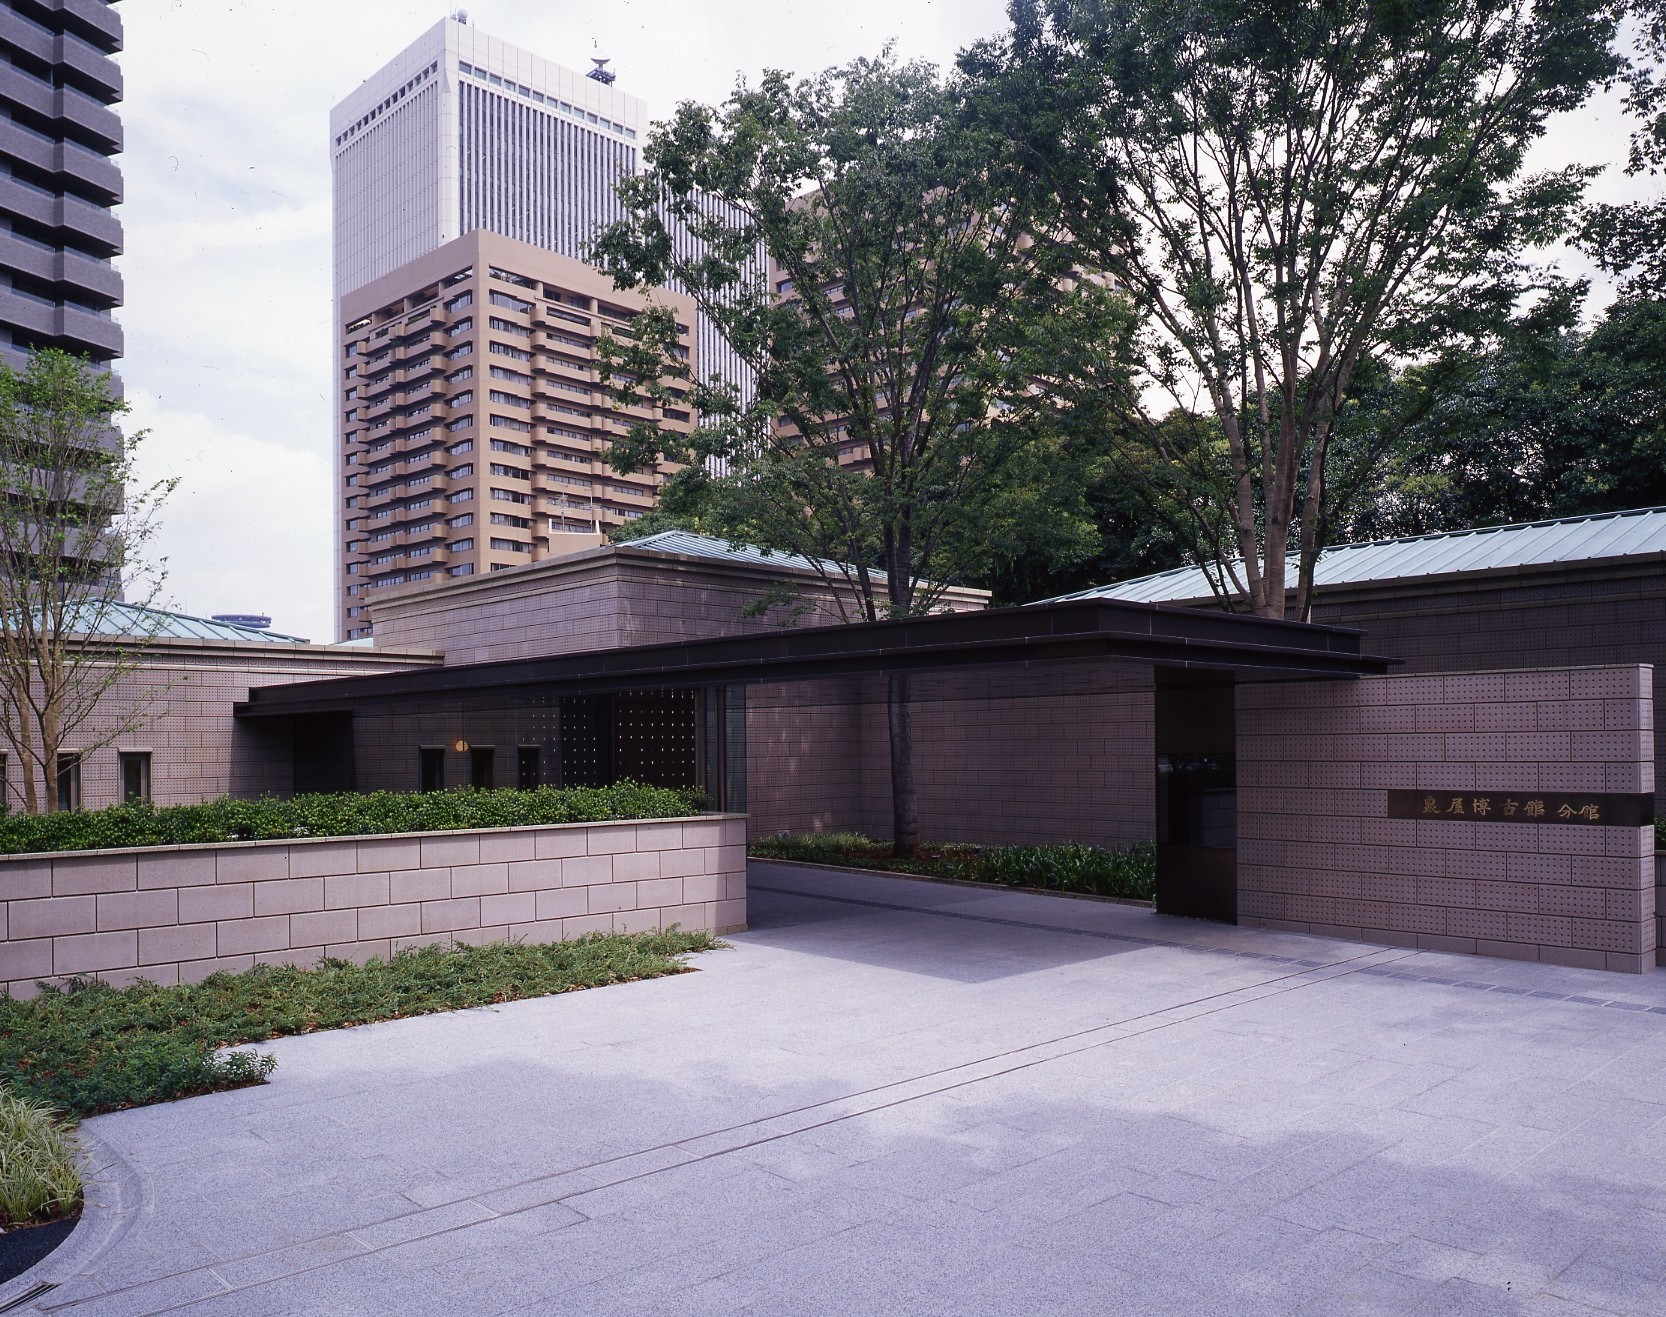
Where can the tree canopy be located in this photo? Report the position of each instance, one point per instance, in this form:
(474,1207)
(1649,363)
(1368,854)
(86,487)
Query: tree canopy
(1287,193)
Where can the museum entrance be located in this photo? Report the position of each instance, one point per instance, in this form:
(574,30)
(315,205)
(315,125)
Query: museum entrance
(1197,796)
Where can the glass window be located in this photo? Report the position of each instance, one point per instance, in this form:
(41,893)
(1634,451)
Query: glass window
(431,765)
(480,767)
(528,767)
(69,781)
(135,775)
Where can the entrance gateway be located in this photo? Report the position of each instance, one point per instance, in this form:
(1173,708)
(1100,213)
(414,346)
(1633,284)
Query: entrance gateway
(1262,755)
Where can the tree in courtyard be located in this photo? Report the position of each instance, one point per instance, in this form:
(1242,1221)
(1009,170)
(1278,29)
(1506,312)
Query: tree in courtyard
(1287,192)
(73,522)
(900,433)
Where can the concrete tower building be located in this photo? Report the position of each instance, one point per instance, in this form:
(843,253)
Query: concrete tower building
(58,183)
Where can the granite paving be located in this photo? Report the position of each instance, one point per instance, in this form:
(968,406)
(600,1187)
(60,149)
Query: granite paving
(894,1096)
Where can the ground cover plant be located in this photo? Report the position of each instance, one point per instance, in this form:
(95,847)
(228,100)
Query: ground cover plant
(1066,867)
(40,1170)
(88,1047)
(338,814)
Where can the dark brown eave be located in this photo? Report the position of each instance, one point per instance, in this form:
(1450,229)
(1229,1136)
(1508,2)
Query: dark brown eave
(1251,647)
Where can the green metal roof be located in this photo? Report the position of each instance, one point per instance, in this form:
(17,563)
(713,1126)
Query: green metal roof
(122,619)
(1638,533)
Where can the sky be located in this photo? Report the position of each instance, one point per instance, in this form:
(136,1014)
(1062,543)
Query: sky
(230,355)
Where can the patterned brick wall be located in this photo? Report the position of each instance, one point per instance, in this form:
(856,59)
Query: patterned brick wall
(1317,853)
(1551,617)
(178,914)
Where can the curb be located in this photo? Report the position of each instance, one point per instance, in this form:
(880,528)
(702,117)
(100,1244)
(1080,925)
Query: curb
(1139,902)
(113,1201)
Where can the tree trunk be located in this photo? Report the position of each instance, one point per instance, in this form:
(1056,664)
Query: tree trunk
(905,812)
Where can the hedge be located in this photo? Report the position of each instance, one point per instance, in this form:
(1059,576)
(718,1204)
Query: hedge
(337,814)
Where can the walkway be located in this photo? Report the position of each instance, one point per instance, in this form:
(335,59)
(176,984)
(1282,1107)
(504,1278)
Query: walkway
(901,1097)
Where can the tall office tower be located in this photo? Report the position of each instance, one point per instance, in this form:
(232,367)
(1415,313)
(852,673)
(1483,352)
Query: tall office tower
(462,132)
(475,430)
(58,183)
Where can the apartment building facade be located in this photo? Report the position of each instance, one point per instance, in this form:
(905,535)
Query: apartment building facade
(474,425)
(59,83)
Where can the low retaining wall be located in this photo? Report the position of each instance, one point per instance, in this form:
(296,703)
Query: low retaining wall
(177,914)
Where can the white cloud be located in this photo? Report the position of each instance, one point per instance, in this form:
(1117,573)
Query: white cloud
(228,313)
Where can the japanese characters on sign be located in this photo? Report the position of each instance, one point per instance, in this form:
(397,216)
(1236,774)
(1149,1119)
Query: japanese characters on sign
(1604,809)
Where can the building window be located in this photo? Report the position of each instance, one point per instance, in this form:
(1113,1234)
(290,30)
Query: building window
(69,781)
(480,767)
(135,775)
(431,764)
(528,767)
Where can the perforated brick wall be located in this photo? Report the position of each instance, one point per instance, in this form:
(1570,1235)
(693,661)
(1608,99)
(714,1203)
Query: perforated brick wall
(1317,852)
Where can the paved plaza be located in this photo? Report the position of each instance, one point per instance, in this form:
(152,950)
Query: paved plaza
(902,1097)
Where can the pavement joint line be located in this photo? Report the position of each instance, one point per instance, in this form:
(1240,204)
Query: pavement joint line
(1382,971)
(1277,986)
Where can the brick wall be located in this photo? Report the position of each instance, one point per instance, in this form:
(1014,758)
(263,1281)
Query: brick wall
(1001,757)
(178,914)
(605,598)
(1551,617)
(1316,852)
(183,694)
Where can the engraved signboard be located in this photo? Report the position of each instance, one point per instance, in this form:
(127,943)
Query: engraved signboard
(1604,809)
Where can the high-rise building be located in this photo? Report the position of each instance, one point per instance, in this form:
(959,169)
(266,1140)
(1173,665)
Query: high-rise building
(59,84)
(475,429)
(463,132)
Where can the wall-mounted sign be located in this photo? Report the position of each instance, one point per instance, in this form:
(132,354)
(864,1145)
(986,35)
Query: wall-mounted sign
(1613,810)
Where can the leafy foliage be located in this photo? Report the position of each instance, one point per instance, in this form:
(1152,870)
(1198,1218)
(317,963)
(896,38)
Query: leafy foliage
(899,432)
(1284,192)
(1552,420)
(338,814)
(40,1168)
(88,1047)
(1064,867)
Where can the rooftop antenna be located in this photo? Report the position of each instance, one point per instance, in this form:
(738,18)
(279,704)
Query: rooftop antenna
(601,73)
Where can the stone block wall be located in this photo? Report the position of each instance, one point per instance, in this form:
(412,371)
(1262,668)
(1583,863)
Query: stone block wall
(178,914)
(1317,852)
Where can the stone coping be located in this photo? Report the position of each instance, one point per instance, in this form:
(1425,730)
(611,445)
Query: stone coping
(337,838)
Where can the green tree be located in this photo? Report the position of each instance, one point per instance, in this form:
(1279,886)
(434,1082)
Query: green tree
(1287,191)
(901,431)
(1552,420)
(73,523)
(1630,239)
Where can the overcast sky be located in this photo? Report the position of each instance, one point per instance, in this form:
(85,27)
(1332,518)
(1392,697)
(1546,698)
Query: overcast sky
(228,315)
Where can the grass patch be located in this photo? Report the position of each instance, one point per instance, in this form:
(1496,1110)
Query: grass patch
(87,1047)
(1066,867)
(338,814)
(40,1169)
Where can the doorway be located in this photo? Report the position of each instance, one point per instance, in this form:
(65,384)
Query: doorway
(1197,798)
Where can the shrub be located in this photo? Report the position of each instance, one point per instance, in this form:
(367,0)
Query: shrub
(337,814)
(40,1170)
(87,1047)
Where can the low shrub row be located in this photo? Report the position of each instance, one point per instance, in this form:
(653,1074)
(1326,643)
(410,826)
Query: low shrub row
(1065,867)
(87,1047)
(337,814)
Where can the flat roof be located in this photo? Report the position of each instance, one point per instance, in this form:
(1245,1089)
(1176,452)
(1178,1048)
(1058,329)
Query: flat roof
(1637,533)
(1258,648)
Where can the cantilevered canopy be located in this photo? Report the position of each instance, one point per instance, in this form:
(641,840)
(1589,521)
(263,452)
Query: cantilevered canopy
(1253,648)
